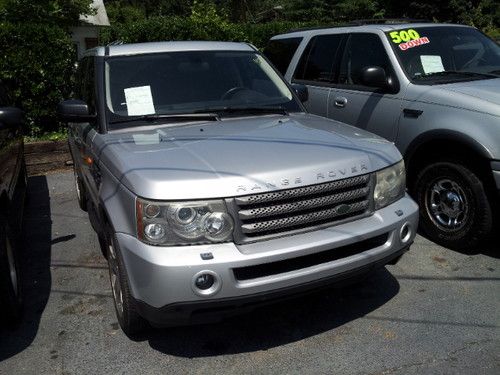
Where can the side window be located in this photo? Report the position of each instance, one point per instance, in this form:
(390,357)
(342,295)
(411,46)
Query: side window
(280,52)
(77,89)
(316,63)
(88,86)
(84,83)
(362,50)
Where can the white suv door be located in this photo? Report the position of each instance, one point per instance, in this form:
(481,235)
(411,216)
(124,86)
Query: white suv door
(354,103)
(316,70)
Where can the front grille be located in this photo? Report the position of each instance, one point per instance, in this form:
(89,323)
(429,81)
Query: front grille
(282,211)
(293,264)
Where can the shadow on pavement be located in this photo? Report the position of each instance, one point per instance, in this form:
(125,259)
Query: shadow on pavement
(35,266)
(281,323)
(490,248)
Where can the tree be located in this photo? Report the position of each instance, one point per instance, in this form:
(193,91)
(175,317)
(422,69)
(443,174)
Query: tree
(127,10)
(58,12)
(349,10)
(122,12)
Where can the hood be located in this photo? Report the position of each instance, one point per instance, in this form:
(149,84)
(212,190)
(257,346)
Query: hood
(240,156)
(480,95)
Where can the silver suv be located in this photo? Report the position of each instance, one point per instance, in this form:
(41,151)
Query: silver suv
(210,188)
(433,90)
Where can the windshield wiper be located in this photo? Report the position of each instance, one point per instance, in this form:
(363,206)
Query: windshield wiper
(174,117)
(445,73)
(495,72)
(248,110)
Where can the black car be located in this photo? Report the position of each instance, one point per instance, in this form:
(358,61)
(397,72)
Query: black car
(13,182)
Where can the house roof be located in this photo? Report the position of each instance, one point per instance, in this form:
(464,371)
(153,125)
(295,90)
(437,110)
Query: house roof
(100,18)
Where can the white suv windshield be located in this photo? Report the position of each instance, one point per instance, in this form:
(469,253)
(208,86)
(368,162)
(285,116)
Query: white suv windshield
(191,82)
(445,54)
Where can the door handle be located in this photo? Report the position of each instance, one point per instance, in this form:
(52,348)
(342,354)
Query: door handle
(340,101)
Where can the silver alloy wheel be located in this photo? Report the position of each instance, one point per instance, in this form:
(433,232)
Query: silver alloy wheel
(114,275)
(447,204)
(12,266)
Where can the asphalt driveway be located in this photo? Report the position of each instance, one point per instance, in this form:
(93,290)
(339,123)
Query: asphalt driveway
(437,311)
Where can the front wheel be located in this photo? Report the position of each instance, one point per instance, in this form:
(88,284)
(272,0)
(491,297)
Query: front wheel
(129,319)
(454,207)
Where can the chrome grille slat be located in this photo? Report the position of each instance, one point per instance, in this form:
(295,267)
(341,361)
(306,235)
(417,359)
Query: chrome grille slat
(264,215)
(292,221)
(303,191)
(306,204)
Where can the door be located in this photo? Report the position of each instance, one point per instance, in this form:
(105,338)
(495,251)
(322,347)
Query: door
(355,104)
(82,134)
(315,69)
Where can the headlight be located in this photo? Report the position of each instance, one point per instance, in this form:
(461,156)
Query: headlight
(391,185)
(183,223)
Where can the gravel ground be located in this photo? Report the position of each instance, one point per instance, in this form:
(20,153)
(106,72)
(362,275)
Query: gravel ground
(436,311)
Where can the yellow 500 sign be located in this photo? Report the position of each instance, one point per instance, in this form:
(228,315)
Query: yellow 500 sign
(404,35)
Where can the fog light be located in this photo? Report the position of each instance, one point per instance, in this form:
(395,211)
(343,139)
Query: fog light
(405,233)
(206,283)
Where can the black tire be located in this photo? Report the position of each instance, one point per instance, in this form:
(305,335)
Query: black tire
(103,245)
(131,323)
(81,192)
(11,292)
(457,192)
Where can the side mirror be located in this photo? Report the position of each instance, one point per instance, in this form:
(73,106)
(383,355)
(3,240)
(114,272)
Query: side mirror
(11,117)
(73,110)
(301,91)
(374,76)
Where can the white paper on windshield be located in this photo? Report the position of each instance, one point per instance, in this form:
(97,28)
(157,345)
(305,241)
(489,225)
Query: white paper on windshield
(139,101)
(432,63)
(146,139)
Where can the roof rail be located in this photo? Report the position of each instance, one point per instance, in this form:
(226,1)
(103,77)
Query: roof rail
(115,43)
(251,46)
(388,21)
(379,21)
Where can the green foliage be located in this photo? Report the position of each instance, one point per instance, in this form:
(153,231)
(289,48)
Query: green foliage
(484,14)
(58,135)
(204,23)
(120,12)
(259,34)
(194,28)
(58,12)
(348,10)
(37,62)
(133,10)
(308,10)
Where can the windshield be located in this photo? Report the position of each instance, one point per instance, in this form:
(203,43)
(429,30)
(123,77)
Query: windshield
(445,54)
(191,82)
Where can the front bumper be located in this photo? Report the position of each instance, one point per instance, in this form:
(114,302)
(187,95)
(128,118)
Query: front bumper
(161,278)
